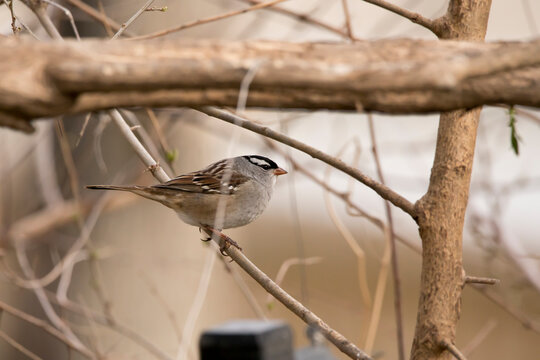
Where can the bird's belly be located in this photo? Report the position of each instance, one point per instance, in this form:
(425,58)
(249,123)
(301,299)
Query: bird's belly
(228,211)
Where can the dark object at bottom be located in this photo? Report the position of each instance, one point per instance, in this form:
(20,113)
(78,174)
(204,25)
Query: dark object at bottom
(247,340)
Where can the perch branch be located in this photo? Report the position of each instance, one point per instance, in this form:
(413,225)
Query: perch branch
(293,305)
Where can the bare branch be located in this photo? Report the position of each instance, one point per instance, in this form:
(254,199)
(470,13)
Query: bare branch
(108,22)
(208,20)
(429,24)
(132,19)
(479,337)
(18,346)
(39,8)
(480,280)
(143,154)
(46,327)
(348,24)
(393,249)
(380,189)
(514,311)
(393,76)
(453,350)
(295,306)
(113,324)
(303,18)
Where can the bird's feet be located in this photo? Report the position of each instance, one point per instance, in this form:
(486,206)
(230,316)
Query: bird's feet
(224,241)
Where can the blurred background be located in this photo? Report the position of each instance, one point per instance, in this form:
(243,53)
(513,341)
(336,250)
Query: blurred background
(139,284)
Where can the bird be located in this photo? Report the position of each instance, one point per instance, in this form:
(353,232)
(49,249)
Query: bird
(242,186)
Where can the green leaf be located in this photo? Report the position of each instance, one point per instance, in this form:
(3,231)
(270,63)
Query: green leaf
(514,137)
(171,155)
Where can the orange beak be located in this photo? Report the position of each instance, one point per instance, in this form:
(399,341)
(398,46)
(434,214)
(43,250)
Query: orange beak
(279,171)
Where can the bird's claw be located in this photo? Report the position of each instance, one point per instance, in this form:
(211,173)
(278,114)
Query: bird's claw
(225,242)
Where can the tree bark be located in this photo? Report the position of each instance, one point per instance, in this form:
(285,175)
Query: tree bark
(441,211)
(391,76)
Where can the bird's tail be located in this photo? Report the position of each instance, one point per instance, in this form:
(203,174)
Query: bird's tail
(148,192)
(113,187)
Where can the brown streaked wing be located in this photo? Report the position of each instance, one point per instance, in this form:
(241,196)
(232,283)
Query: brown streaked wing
(201,182)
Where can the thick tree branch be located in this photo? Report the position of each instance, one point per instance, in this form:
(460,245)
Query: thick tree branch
(392,76)
(441,211)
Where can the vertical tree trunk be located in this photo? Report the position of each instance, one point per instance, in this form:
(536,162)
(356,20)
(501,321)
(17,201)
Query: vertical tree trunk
(441,211)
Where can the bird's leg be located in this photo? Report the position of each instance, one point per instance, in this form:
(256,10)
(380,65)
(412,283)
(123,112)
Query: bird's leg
(224,241)
(205,235)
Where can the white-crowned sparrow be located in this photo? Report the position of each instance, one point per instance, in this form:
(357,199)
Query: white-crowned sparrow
(243,184)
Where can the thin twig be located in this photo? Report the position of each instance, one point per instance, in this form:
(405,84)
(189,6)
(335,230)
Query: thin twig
(171,315)
(106,25)
(44,326)
(18,346)
(207,20)
(244,288)
(378,298)
(112,324)
(83,129)
(382,190)
(453,350)
(169,154)
(347,15)
(195,310)
(90,11)
(514,311)
(479,337)
(298,233)
(68,15)
(40,10)
(155,8)
(45,165)
(350,240)
(303,18)
(286,265)
(48,309)
(481,280)
(9,4)
(143,154)
(393,248)
(412,16)
(132,19)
